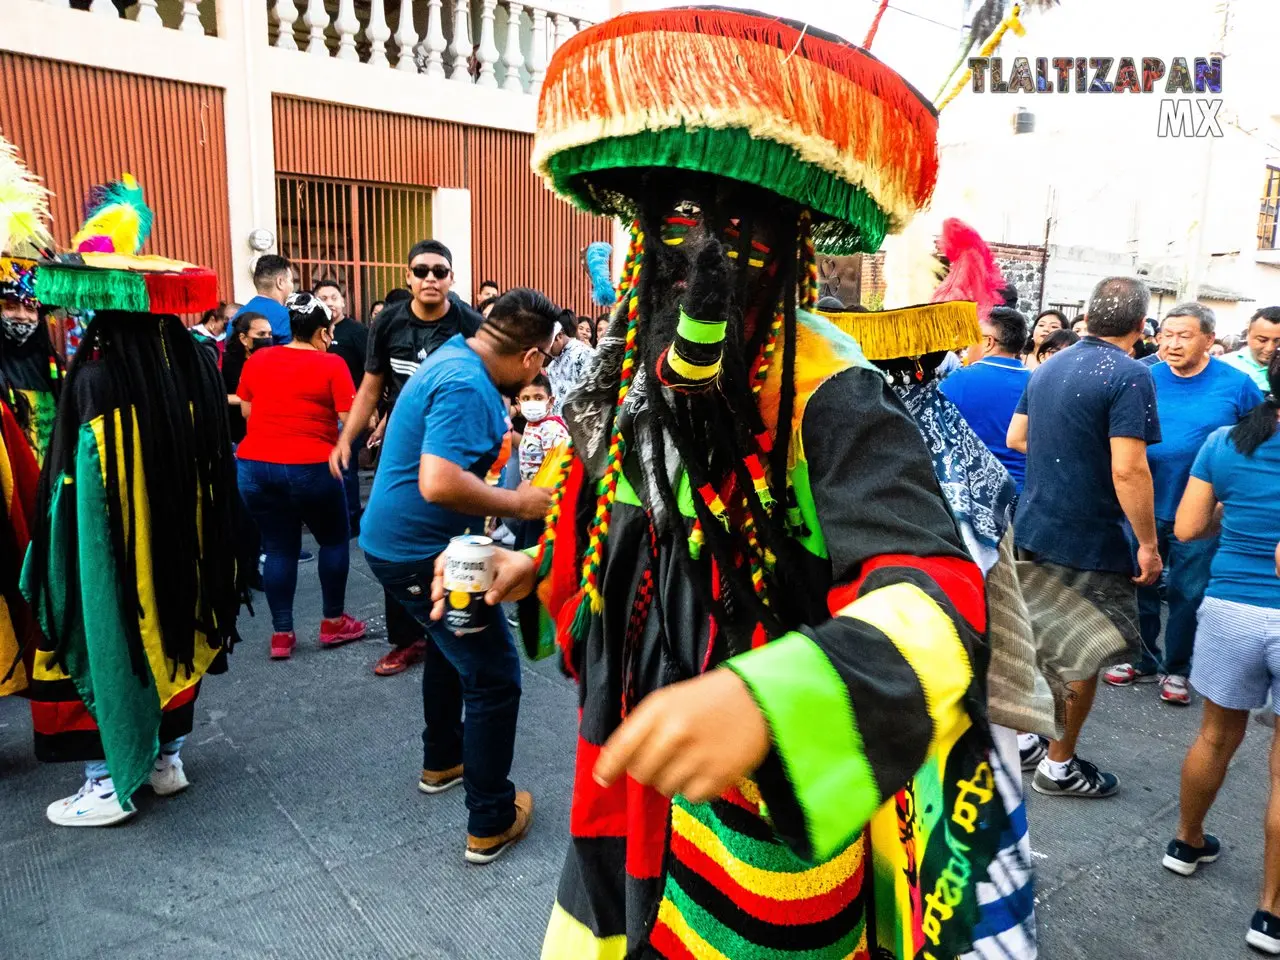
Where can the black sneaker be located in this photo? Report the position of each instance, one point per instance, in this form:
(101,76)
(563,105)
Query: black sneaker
(1083,780)
(1033,752)
(1264,933)
(1183,858)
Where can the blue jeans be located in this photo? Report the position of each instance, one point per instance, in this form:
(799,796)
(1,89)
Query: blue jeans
(97,769)
(351,484)
(480,671)
(282,497)
(1186,576)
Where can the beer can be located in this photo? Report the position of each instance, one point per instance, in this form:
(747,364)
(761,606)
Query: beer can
(468,575)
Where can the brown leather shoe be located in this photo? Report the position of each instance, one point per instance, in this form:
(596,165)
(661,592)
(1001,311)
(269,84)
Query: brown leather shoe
(488,849)
(401,659)
(438,781)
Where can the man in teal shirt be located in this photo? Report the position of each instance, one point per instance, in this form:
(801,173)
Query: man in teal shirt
(1260,346)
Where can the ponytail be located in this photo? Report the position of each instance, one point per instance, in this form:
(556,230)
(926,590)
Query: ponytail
(1259,425)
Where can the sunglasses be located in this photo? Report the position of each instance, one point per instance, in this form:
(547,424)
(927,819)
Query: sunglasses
(438,270)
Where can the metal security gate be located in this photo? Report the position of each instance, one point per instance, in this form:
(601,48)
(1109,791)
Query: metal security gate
(355,233)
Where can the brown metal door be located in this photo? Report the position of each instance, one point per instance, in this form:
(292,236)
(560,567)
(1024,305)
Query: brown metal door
(355,233)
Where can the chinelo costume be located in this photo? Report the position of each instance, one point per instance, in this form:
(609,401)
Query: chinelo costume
(131,571)
(24,235)
(745,492)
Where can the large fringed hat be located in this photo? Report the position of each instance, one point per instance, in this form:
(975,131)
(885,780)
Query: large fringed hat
(106,271)
(755,98)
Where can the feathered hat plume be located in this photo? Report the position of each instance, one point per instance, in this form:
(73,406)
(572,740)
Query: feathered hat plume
(24,207)
(597,260)
(973,274)
(116,219)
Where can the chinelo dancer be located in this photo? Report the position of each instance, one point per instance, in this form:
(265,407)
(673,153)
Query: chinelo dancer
(132,572)
(749,567)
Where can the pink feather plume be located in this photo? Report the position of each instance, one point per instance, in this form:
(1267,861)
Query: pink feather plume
(973,274)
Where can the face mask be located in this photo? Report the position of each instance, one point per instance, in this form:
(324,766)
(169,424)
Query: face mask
(257,343)
(533,410)
(18,330)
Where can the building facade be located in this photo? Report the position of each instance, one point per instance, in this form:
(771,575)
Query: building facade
(336,132)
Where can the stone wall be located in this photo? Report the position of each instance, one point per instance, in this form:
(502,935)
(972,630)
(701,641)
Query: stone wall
(1023,266)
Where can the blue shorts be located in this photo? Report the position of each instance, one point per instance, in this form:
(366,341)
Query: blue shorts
(1237,655)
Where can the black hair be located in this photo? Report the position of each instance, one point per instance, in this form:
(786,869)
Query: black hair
(268,267)
(329,282)
(307,315)
(430,246)
(148,366)
(1058,340)
(397,295)
(1259,424)
(214,313)
(377,303)
(1270,314)
(1052,312)
(540,381)
(568,321)
(489,283)
(1197,311)
(1011,328)
(1009,294)
(521,319)
(1118,307)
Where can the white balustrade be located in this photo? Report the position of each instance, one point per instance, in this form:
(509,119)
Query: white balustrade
(495,59)
(407,38)
(378,33)
(347,26)
(66,4)
(512,58)
(286,15)
(487,50)
(538,51)
(104,8)
(316,18)
(191,17)
(147,13)
(461,46)
(435,44)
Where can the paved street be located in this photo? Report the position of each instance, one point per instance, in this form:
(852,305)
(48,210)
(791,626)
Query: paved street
(303,835)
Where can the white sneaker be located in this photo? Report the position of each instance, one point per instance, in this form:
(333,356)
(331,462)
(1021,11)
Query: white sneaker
(94,805)
(167,777)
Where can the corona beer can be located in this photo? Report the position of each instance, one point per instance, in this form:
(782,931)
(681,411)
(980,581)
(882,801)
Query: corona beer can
(468,575)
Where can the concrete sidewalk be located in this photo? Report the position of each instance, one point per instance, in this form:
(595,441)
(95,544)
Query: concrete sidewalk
(303,835)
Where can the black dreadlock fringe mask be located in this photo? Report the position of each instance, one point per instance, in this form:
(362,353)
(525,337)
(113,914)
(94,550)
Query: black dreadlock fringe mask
(713,429)
(150,364)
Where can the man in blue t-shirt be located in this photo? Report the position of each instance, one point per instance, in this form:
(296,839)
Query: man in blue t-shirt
(1195,394)
(987,392)
(273,281)
(446,431)
(1085,422)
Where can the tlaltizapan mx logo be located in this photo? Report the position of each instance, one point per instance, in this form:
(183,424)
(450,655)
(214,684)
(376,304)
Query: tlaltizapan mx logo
(1182,113)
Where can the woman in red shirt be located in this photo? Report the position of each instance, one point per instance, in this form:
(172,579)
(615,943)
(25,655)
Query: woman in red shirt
(292,397)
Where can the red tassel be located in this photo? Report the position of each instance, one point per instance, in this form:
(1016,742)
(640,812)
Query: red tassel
(192,291)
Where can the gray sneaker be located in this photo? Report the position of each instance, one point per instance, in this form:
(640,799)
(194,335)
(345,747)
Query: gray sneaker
(1083,780)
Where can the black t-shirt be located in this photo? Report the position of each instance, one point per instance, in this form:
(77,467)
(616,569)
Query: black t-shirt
(399,341)
(350,342)
(232,363)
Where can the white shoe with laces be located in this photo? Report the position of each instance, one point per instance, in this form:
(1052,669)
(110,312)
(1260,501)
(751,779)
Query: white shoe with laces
(94,805)
(167,777)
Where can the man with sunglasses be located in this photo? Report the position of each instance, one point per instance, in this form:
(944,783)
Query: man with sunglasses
(406,333)
(567,360)
(987,392)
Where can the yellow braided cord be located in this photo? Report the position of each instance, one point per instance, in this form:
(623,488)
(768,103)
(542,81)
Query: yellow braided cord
(1012,21)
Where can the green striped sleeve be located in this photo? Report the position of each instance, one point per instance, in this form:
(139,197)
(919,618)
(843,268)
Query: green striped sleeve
(806,704)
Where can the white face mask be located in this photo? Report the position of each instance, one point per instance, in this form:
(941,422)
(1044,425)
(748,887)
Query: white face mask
(533,410)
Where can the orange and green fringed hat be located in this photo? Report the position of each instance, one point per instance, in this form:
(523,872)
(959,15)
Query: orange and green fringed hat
(741,95)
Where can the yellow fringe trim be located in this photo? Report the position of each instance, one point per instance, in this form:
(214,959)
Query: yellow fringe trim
(911,331)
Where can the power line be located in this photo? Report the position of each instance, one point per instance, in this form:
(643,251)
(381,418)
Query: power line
(921,16)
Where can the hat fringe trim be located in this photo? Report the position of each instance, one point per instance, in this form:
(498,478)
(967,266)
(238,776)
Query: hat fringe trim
(911,331)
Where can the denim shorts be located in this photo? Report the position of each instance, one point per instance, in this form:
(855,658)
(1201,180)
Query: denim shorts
(1237,655)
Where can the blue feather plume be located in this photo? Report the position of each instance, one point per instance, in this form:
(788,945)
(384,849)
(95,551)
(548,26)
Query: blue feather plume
(597,257)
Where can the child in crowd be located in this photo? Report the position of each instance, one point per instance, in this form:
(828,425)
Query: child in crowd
(543,432)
